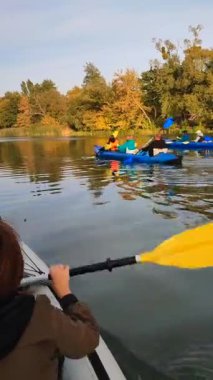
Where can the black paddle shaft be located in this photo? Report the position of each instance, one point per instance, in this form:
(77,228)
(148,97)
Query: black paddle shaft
(104,265)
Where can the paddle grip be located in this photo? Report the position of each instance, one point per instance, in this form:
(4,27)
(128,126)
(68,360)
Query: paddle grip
(104,265)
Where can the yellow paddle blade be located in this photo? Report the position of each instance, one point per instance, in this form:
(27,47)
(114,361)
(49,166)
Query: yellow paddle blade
(115,134)
(191,249)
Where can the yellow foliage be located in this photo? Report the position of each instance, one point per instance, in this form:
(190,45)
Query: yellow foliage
(74,93)
(101,123)
(128,108)
(23,117)
(49,121)
(95,121)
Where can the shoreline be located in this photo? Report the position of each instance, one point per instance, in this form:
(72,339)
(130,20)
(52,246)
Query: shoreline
(63,132)
(66,132)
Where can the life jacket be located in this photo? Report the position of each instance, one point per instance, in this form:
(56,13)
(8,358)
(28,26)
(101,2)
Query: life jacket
(112,145)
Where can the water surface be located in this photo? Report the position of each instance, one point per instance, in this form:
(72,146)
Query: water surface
(70,208)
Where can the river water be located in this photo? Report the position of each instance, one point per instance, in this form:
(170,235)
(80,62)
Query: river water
(70,208)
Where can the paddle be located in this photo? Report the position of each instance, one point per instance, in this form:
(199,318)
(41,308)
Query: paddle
(191,249)
(168,123)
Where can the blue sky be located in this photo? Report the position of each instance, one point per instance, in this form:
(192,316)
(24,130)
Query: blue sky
(53,39)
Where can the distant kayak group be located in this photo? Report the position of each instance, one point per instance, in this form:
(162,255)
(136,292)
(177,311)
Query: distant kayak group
(156,150)
(200,143)
(199,137)
(154,146)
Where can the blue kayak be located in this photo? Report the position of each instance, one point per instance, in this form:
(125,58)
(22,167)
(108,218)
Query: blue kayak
(161,158)
(191,145)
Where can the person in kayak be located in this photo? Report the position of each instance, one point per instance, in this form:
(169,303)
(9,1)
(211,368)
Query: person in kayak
(33,333)
(155,146)
(130,146)
(112,144)
(184,138)
(200,137)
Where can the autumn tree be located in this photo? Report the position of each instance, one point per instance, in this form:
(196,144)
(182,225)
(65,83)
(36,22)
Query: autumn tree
(23,118)
(178,84)
(128,110)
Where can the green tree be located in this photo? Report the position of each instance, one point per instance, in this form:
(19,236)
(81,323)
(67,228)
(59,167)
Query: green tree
(75,108)
(44,100)
(85,104)
(9,109)
(96,92)
(180,85)
(150,91)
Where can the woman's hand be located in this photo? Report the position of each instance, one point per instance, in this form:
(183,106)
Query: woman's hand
(60,280)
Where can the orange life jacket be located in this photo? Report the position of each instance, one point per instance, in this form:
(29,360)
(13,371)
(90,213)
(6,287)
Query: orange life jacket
(114,145)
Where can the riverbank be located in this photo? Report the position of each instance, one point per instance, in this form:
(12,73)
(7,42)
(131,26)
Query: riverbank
(40,131)
(55,131)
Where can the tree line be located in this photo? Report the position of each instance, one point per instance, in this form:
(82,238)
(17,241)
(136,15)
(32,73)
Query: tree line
(179,84)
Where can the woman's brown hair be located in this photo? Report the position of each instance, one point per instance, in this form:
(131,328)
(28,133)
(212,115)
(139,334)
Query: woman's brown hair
(11,260)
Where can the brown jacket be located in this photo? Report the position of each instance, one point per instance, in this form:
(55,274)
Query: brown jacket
(50,333)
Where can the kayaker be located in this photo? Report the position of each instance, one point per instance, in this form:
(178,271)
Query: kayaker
(33,333)
(185,137)
(155,146)
(112,144)
(130,146)
(200,137)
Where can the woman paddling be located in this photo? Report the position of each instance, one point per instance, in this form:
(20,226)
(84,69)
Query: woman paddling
(34,335)
(155,146)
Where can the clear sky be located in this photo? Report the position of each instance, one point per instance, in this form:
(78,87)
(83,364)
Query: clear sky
(53,39)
